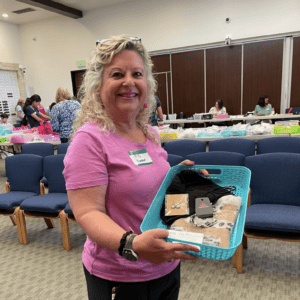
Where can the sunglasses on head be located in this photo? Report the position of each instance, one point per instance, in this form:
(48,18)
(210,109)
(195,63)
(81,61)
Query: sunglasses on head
(134,39)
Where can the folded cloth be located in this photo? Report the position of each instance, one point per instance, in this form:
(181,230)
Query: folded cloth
(192,183)
(216,230)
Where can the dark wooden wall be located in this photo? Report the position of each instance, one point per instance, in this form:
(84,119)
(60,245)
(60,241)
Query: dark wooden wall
(295,91)
(223,77)
(262,75)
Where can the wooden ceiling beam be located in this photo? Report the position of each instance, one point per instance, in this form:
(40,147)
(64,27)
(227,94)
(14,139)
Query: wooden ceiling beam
(55,7)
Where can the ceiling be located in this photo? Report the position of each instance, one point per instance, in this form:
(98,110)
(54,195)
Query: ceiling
(7,6)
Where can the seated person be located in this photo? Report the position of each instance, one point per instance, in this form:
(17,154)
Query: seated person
(218,109)
(4,118)
(263,107)
(32,113)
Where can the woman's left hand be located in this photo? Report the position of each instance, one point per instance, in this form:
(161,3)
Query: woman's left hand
(190,163)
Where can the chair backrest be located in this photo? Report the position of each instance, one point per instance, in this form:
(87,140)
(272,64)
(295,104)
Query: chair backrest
(53,167)
(24,172)
(62,148)
(218,158)
(174,160)
(185,147)
(274,178)
(238,145)
(294,110)
(42,149)
(278,144)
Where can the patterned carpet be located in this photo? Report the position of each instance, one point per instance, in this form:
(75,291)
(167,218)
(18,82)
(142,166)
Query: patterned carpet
(44,270)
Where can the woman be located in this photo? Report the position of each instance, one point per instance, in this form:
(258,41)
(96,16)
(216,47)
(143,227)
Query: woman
(156,113)
(19,110)
(218,109)
(103,172)
(63,114)
(263,107)
(49,108)
(31,112)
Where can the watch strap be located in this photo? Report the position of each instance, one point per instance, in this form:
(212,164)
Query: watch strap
(129,243)
(123,242)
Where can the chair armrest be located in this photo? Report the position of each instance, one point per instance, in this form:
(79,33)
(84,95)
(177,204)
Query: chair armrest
(7,187)
(249,198)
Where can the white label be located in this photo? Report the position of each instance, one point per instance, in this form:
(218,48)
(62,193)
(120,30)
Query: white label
(186,236)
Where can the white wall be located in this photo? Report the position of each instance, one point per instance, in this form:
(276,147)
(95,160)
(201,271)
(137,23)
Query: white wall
(162,24)
(10,43)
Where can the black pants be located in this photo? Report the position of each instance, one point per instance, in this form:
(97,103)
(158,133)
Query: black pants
(64,140)
(163,288)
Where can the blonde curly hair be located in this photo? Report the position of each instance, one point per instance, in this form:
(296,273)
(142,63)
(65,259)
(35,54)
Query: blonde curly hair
(62,94)
(92,109)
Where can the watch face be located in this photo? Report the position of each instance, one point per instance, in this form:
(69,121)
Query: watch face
(129,255)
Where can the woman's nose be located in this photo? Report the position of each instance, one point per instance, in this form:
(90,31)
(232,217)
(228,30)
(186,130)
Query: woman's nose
(128,80)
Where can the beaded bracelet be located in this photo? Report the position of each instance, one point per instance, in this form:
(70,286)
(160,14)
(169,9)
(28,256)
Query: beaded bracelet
(123,241)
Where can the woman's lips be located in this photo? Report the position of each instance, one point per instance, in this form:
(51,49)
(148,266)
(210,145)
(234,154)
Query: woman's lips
(128,96)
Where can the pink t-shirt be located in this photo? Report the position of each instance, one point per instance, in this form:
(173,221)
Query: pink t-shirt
(94,159)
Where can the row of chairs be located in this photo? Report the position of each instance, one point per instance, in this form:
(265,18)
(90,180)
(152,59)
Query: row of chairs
(274,200)
(44,149)
(273,204)
(25,196)
(239,145)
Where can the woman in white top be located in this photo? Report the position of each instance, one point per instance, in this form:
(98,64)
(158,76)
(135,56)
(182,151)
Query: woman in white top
(218,109)
(19,111)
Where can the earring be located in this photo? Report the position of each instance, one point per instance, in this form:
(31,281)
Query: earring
(145,105)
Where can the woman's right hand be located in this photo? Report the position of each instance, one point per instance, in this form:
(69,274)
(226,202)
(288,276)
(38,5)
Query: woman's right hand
(150,246)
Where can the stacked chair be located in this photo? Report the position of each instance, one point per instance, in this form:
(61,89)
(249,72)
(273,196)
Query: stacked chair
(51,205)
(278,144)
(239,145)
(20,186)
(42,149)
(185,147)
(274,202)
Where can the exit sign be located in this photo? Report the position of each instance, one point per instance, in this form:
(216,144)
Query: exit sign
(81,63)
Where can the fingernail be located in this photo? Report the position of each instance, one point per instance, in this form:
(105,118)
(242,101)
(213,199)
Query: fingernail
(192,161)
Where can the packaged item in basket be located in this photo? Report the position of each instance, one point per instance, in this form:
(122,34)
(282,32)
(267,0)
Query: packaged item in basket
(177,205)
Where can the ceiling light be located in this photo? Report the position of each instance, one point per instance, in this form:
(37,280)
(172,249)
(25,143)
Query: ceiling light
(5,15)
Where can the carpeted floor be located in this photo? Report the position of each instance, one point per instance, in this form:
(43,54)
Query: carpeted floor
(44,270)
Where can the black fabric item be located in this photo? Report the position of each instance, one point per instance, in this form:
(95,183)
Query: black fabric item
(191,183)
(163,288)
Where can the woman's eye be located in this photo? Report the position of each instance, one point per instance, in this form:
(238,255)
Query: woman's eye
(117,74)
(138,74)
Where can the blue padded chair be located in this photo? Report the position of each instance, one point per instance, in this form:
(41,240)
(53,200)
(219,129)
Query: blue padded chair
(62,148)
(278,144)
(274,203)
(185,147)
(174,160)
(49,206)
(21,186)
(42,149)
(218,158)
(239,145)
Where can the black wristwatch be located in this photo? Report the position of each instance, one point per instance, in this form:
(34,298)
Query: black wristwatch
(128,253)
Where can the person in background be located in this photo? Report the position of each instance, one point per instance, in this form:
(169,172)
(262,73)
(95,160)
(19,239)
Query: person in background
(32,113)
(49,108)
(157,113)
(19,110)
(110,189)
(63,114)
(4,118)
(263,107)
(218,109)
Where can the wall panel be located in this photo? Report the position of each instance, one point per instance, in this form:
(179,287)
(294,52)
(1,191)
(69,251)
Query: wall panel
(262,73)
(188,82)
(295,91)
(223,77)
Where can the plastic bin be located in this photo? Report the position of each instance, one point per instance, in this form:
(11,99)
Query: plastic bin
(229,176)
(209,134)
(172,116)
(227,133)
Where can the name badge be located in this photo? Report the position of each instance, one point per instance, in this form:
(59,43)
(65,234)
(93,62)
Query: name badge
(140,157)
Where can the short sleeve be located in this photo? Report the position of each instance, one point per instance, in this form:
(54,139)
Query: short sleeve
(211,111)
(158,104)
(19,108)
(85,163)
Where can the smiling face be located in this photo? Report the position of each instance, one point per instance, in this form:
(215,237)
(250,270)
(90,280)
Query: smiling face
(124,86)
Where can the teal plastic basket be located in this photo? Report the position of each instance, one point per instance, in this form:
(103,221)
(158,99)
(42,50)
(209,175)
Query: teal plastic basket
(228,176)
(209,134)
